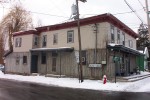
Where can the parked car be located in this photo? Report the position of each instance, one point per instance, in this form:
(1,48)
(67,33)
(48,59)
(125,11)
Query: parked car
(2,68)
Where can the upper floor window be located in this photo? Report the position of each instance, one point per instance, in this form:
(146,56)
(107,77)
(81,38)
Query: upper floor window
(123,38)
(130,43)
(55,38)
(118,36)
(44,41)
(35,41)
(112,34)
(70,36)
(18,42)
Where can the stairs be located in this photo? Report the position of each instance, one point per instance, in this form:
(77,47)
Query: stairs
(131,78)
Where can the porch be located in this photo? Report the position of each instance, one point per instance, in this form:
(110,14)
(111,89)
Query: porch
(54,61)
(123,60)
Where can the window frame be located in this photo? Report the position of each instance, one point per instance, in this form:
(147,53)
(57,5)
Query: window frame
(70,32)
(35,41)
(24,59)
(17,60)
(44,40)
(18,42)
(118,36)
(112,31)
(55,38)
(130,43)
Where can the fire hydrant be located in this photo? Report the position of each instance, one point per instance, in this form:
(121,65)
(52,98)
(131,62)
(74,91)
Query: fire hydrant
(104,79)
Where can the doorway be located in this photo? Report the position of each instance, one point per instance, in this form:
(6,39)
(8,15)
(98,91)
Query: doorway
(34,63)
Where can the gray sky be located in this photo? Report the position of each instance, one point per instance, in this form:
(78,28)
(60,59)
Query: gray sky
(44,10)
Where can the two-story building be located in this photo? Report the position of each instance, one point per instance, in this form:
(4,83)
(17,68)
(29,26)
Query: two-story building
(108,47)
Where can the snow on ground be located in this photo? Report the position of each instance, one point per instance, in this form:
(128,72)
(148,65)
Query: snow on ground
(138,86)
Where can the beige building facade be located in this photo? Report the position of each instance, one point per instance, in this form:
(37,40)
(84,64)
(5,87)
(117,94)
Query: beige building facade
(54,49)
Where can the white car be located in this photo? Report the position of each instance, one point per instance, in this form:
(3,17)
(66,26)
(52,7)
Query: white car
(2,67)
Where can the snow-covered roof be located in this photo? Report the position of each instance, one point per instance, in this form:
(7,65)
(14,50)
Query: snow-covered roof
(124,48)
(54,49)
(146,52)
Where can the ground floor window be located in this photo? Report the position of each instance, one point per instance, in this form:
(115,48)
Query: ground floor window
(24,59)
(17,60)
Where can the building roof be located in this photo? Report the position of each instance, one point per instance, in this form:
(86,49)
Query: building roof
(25,32)
(91,20)
(124,49)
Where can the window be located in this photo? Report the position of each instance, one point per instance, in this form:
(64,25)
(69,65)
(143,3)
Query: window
(35,41)
(70,36)
(130,43)
(44,40)
(24,59)
(17,60)
(55,38)
(123,38)
(112,35)
(43,60)
(118,36)
(18,42)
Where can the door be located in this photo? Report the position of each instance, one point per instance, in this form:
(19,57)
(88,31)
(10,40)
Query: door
(54,64)
(34,64)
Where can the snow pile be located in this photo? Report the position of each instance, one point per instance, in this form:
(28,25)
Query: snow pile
(138,86)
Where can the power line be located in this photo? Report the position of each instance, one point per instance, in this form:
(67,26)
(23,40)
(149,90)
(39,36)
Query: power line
(133,11)
(40,13)
(48,14)
(141,5)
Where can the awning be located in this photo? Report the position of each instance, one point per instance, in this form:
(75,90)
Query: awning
(66,49)
(124,49)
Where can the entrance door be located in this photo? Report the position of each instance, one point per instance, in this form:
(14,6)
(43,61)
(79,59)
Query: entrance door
(34,63)
(54,64)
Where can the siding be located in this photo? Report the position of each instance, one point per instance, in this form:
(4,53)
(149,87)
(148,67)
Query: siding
(87,37)
(26,43)
(12,67)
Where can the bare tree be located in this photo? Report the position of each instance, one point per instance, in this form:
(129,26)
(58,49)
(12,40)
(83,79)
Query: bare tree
(18,19)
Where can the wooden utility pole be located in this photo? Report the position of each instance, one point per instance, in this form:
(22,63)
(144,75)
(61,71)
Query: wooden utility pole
(148,19)
(79,40)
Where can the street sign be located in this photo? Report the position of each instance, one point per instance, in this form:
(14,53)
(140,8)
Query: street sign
(95,65)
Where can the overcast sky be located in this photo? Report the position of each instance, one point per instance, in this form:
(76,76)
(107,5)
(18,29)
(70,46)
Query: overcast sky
(58,11)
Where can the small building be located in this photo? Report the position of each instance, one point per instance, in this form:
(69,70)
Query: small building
(142,61)
(108,47)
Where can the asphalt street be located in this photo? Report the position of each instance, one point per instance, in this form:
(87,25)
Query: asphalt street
(15,90)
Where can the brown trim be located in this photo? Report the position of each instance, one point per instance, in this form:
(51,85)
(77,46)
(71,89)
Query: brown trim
(90,20)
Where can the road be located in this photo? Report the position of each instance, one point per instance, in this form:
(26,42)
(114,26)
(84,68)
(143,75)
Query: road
(14,90)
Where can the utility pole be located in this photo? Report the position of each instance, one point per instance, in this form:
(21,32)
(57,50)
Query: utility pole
(79,40)
(148,20)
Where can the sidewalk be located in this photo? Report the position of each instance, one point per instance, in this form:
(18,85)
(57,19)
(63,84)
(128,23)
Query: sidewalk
(137,86)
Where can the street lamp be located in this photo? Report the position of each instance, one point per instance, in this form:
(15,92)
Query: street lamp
(79,40)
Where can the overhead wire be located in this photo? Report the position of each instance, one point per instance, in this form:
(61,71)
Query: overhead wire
(133,11)
(141,5)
